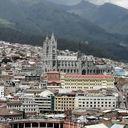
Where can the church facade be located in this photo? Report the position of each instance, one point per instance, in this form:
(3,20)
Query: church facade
(72,64)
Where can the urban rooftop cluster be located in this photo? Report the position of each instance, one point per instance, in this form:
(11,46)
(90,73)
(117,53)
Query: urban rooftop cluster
(51,88)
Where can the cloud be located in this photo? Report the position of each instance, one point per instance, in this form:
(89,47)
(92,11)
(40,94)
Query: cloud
(123,3)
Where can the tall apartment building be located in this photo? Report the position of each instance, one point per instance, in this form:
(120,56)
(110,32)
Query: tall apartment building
(85,82)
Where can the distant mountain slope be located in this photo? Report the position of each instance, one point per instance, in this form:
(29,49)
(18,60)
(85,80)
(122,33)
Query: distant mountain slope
(13,36)
(108,16)
(41,17)
(121,26)
(28,20)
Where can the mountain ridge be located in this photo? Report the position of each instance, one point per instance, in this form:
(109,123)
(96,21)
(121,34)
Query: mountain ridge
(105,16)
(41,18)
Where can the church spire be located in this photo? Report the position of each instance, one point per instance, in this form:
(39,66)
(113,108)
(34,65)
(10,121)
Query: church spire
(47,38)
(52,37)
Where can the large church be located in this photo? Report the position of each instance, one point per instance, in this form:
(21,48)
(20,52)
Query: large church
(70,63)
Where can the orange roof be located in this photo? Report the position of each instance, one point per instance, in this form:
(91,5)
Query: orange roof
(73,76)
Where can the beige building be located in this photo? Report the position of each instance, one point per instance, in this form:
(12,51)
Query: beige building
(86,82)
(64,102)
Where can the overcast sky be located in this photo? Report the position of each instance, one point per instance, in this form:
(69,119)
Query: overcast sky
(123,3)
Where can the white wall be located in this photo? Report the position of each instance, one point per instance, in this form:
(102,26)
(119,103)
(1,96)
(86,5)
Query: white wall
(1,91)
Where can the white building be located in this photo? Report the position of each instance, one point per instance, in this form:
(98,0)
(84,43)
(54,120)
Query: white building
(70,63)
(45,101)
(43,84)
(28,104)
(87,101)
(1,91)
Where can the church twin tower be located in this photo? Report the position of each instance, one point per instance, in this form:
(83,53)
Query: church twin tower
(50,53)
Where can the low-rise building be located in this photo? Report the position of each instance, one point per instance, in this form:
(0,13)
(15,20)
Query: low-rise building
(53,78)
(7,114)
(101,101)
(14,105)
